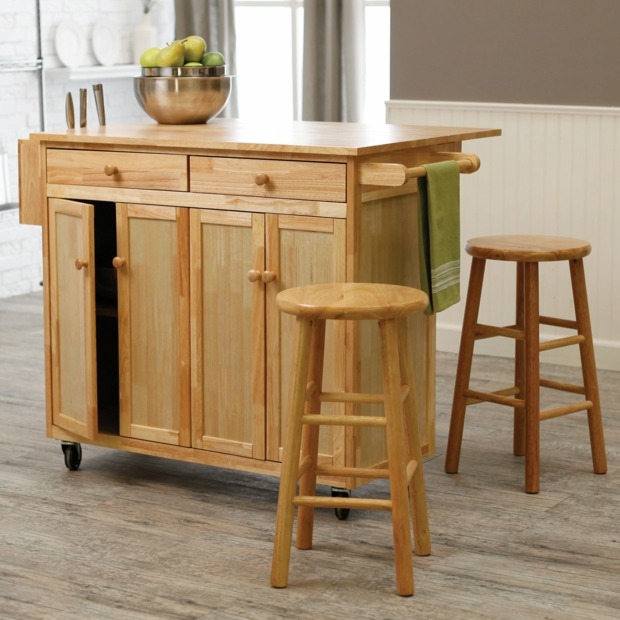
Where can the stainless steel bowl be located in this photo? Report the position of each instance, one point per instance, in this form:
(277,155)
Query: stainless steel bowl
(182,100)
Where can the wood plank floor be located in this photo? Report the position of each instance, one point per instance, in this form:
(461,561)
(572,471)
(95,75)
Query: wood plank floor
(130,536)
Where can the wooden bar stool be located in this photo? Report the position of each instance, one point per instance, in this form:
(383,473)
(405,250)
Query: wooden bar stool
(524,397)
(387,304)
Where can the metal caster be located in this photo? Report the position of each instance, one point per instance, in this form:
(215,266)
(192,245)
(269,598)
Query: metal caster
(342,514)
(73,454)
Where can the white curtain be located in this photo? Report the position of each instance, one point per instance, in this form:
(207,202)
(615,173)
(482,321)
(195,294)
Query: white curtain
(333,63)
(214,20)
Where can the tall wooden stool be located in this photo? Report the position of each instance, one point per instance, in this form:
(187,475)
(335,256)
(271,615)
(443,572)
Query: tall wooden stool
(387,304)
(527,251)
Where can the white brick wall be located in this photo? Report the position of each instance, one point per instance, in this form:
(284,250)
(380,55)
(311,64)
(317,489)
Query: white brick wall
(20,255)
(20,246)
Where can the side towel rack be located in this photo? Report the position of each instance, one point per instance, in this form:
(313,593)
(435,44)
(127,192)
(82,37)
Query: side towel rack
(395,175)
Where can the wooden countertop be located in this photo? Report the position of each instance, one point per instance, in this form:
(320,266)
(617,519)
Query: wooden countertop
(323,138)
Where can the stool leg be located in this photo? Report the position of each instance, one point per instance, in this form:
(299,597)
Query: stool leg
(310,435)
(463,371)
(417,488)
(532,377)
(290,461)
(395,432)
(518,442)
(588,366)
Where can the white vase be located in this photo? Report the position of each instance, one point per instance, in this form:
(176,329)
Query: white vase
(144,37)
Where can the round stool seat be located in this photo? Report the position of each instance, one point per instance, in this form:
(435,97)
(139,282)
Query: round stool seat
(353,300)
(527,248)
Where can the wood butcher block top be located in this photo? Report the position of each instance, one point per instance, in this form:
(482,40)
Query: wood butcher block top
(321,138)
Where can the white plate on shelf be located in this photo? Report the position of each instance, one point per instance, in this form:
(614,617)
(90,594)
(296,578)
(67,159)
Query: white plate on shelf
(69,43)
(106,44)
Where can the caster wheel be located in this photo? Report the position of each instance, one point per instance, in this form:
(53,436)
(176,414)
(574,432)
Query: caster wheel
(73,455)
(342,514)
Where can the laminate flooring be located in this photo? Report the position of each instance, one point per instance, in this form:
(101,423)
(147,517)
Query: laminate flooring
(135,537)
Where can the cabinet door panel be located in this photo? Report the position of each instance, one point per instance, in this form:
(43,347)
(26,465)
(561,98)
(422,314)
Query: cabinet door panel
(228,350)
(72,317)
(153,302)
(302,250)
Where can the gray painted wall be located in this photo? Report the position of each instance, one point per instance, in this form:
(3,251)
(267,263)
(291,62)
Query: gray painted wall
(564,52)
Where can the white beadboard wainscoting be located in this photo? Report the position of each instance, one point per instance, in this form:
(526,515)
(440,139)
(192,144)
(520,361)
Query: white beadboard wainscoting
(554,171)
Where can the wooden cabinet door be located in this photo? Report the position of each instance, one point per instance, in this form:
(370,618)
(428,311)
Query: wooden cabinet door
(153,313)
(228,341)
(72,317)
(302,250)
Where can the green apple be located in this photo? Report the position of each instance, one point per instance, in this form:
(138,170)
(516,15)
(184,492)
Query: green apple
(171,55)
(213,59)
(194,47)
(149,57)
(193,64)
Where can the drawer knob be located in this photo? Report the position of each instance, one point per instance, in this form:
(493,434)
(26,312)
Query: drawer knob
(118,262)
(268,276)
(80,263)
(110,170)
(253,275)
(261,178)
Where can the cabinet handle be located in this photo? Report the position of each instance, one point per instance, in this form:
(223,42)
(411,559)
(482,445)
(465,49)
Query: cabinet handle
(110,170)
(118,262)
(257,276)
(261,178)
(79,263)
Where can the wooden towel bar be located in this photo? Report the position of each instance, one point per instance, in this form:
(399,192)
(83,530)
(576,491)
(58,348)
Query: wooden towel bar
(395,175)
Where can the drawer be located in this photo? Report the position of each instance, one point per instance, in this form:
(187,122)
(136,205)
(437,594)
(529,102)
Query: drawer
(115,169)
(268,178)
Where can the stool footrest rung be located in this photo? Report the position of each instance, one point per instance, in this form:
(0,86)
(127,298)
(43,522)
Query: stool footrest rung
(355,503)
(352,472)
(499,397)
(359,397)
(551,320)
(565,410)
(483,331)
(561,342)
(489,331)
(563,387)
(343,420)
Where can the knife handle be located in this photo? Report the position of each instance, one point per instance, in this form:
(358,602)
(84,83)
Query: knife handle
(83,102)
(69,112)
(98,91)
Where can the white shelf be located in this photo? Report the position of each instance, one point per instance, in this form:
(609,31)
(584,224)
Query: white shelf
(95,72)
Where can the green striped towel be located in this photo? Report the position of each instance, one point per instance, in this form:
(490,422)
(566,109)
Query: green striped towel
(440,235)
